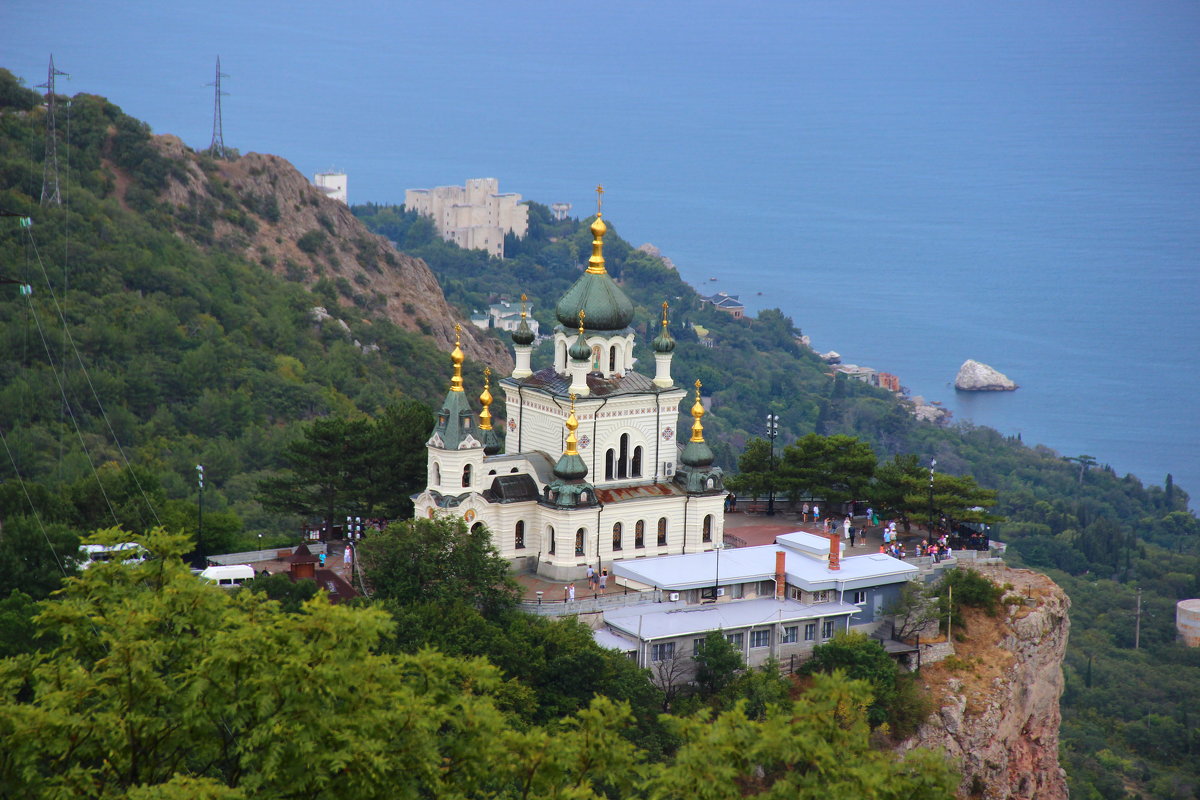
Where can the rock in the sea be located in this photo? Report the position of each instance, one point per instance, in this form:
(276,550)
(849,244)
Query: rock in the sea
(976,377)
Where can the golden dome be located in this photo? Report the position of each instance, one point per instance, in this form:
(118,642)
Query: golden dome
(485,399)
(456,355)
(697,413)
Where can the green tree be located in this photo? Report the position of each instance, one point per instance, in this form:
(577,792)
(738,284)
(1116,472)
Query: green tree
(815,748)
(395,464)
(324,471)
(36,556)
(717,664)
(835,469)
(440,561)
(861,658)
(755,476)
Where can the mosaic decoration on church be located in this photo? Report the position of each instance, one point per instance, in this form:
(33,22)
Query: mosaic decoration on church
(668,433)
(584,441)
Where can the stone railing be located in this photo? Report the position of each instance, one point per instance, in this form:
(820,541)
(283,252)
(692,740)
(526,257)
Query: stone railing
(250,556)
(589,603)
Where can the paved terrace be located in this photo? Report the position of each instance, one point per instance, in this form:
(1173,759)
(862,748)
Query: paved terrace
(742,529)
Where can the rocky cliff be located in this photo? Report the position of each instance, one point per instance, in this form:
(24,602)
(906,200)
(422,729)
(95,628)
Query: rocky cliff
(261,208)
(997,696)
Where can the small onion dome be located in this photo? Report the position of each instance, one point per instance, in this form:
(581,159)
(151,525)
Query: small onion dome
(570,466)
(697,453)
(522,335)
(663,343)
(579,348)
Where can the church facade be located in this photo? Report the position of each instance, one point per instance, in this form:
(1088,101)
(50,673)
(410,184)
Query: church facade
(593,468)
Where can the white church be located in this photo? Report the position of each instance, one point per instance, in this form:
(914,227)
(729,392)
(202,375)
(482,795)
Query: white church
(593,469)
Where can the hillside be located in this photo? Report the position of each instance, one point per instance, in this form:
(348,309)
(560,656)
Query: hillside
(190,290)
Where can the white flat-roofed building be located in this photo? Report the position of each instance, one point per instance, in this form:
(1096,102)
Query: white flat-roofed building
(739,592)
(334,185)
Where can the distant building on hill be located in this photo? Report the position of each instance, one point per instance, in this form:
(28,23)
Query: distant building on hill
(475,216)
(729,303)
(856,373)
(333,185)
(505,316)
(888,381)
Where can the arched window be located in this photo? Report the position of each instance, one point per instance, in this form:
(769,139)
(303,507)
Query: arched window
(466,476)
(708,528)
(616,536)
(513,471)
(623,458)
(466,421)
(639,533)
(635,469)
(477,527)
(519,536)
(550,535)
(710,483)
(608,464)
(612,359)
(437,474)
(662,531)
(579,543)
(491,472)
(561,358)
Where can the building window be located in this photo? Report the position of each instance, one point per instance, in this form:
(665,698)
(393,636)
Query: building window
(477,527)
(608,464)
(827,629)
(662,531)
(636,469)
(760,638)
(437,474)
(612,359)
(466,476)
(860,598)
(579,542)
(519,536)
(820,597)
(550,534)
(639,533)
(810,631)
(791,634)
(736,639)
(697,645)
(662,652)
(708,527)
(623,458)
(617,536)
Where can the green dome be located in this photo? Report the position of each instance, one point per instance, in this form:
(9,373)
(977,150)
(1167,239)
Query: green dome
(697,454)
(522,335)
(605,306)
(579,350)
(663,343)
(570,467)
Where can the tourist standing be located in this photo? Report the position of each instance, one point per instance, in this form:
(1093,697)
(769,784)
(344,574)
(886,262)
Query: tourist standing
(571,593)
(591,576)
(603,580)
(804,513)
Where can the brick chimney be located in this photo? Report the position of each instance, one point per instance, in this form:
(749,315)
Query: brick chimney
(835,552)
(780,574)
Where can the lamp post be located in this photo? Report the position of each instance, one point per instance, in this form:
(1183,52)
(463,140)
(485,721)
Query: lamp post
(200,525)
(932,464)
(772,432)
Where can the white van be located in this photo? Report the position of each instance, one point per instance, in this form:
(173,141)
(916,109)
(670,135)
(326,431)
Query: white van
(228,577)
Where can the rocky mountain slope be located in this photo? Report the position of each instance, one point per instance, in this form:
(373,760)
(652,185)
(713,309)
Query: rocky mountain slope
(998,695)
(269,213)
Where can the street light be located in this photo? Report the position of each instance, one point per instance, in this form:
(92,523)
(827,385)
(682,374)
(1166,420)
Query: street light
(200,526)
(772,432)
(932,464)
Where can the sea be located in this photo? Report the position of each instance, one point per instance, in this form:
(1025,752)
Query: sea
(914,184)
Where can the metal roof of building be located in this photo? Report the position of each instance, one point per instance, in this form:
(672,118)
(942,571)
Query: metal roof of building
(747,564)
(668,621)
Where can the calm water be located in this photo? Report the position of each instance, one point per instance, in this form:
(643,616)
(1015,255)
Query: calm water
(916,184)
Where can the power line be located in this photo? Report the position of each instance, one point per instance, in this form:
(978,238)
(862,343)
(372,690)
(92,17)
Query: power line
(50,189)
(217,148)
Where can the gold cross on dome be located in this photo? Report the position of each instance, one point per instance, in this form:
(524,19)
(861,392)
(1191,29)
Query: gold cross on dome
(599,198)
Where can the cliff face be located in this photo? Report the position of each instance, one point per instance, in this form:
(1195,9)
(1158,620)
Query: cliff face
(997,697)
(261,208)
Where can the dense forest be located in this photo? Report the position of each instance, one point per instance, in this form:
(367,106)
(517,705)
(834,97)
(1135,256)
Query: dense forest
(140,354)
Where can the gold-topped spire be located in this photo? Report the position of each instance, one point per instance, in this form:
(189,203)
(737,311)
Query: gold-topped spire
(456,355)
(664,316)
(485,400)
(572,425)
(582,314)
(596,262)
(697,412)
(524,299)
